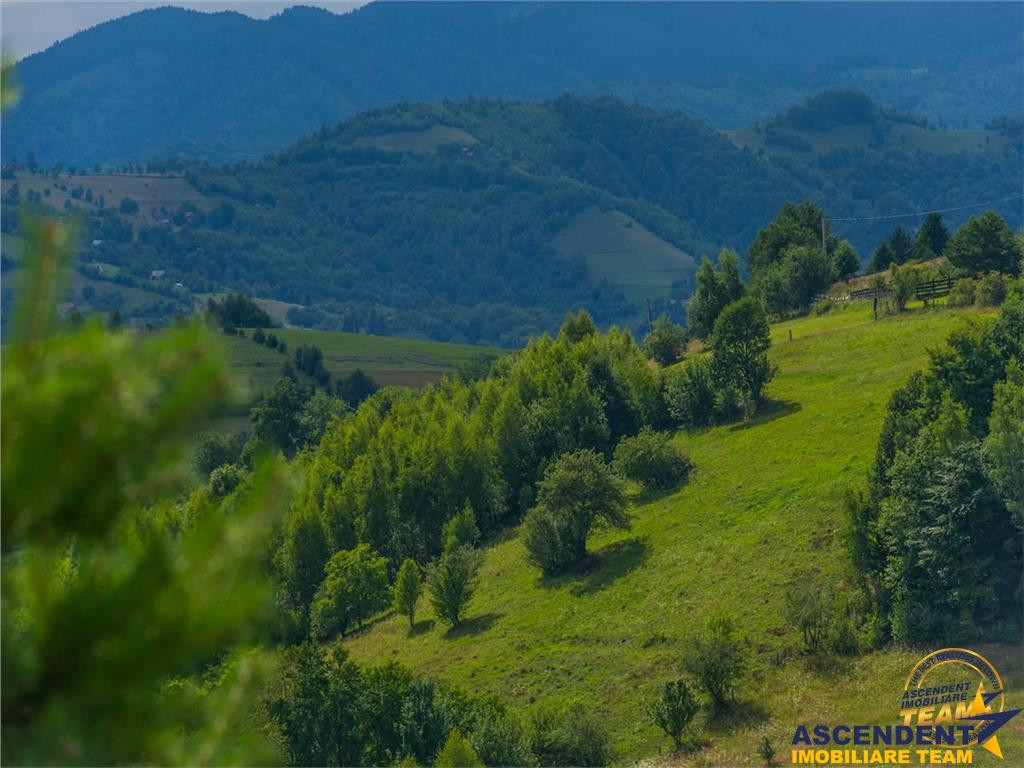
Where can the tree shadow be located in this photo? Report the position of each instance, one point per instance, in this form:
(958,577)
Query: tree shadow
(610,564)
(770,410)
(474,625)
(421,627)
(738,715)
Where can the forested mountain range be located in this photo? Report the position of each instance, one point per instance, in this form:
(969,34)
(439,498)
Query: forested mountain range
(484,221)
(172,81)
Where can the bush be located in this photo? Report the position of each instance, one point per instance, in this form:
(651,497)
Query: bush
(963,293)
(568,735)
(651,459)
(578,492)
(991,290)
(717,659)
(673,710)
(688,392)
(821,306)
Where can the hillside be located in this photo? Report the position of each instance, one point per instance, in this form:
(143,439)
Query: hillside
(484,221)
(162,82)
(388,361)
(768,494)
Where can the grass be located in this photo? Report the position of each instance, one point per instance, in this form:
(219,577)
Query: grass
(620,249)
(763,510)
(426,141)
(389,360)
(149,191)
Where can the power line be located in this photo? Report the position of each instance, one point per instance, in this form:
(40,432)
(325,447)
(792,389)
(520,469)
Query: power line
(925,213)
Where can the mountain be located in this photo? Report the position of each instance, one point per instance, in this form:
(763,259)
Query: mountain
(484,221)
(171,81)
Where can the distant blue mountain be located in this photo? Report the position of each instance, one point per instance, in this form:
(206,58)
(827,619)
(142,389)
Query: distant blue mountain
(224,86)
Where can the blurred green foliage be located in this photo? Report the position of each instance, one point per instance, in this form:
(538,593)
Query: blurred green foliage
(126,616)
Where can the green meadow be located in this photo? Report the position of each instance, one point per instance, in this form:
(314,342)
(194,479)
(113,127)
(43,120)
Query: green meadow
(389,360)
(762,510)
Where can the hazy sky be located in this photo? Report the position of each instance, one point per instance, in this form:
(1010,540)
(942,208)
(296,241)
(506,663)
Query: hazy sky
(28,26)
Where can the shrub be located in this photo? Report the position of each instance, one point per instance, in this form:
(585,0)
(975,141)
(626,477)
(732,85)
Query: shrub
(766,751)
(578,492)
(991,290)
(717,659)
(355,587)
(963,293)
(807,609)
(651,459)
(568,735)
(673,710)
(688,392)
(821,306)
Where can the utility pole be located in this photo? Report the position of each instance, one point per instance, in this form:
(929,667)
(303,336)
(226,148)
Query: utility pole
(650,317)
(824,247)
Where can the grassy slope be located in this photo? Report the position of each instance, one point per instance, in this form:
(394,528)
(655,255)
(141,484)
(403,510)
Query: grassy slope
(763,508)
(618,248)
(149,191)
(426,141)
(388,360)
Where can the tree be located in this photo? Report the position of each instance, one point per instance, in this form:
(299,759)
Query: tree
(461,530)
(688,392)
(897,248)
(457,752)
(930,240)
(673,710)
(276,419)
(651,459)
(316,416)
(407,589)
(845,260)
(315,706)
(214,449)
(808,273)
(715,290)
(578,491)
(666,342)
(356,387)
(355,587)
(238,311)
(1005,441)
(984,244)
(128,206)
(718,660)
(739,351)
(794,225)
(451,581)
